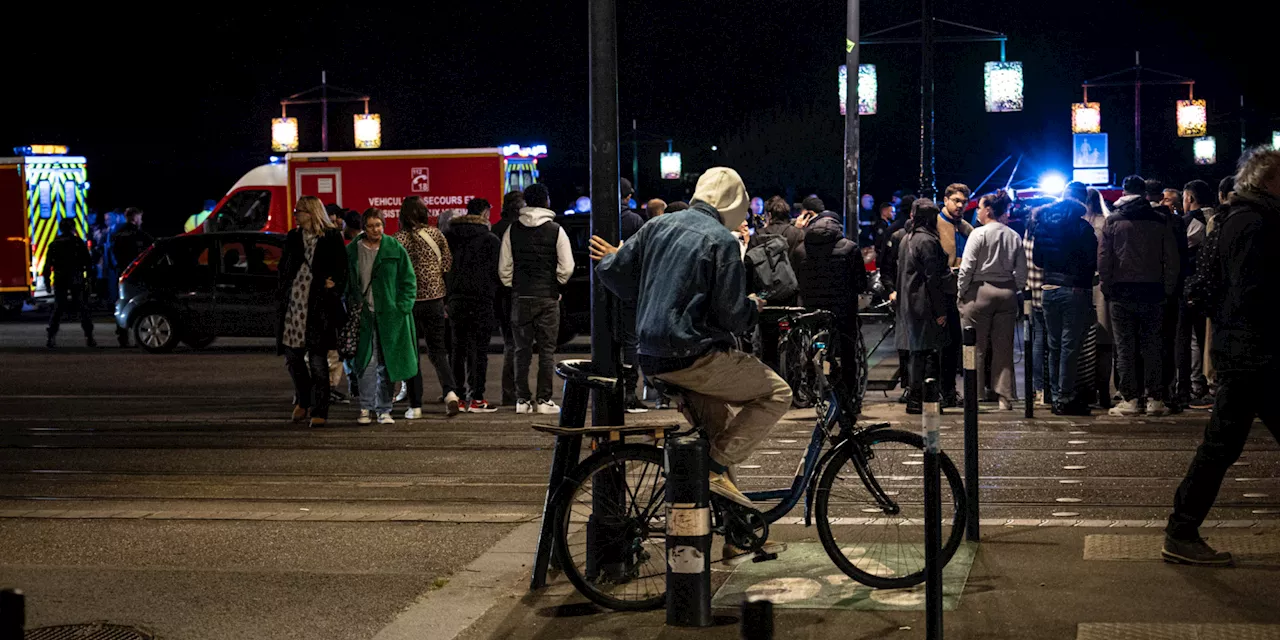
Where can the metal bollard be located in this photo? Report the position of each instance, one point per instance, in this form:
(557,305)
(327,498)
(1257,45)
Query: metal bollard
(688,532)
(932,514)
(971,432)
(757,620)
(13,616)
(1028,362)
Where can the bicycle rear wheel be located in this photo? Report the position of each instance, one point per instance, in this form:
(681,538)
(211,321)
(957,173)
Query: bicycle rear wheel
(612,506)
(876,536)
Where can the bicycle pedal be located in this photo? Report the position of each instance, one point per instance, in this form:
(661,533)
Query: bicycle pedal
(764,557)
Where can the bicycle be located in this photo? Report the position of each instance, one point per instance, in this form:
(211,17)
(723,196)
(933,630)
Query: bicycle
(866,501)
(797,367)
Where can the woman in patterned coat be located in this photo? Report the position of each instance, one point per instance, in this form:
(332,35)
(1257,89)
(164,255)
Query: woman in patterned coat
(309,313)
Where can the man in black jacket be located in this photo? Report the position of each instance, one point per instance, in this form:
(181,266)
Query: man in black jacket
(1160,200)
(1139,266)
(472,285)
(1191,387)
(1245,351)
(779,213)
(68,261)
(126,245)
(831,274)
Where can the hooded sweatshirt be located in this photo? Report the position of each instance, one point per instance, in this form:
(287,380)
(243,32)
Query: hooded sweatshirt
(1138,258)
(475,258)
(536,257)
(829,267)
(685,271)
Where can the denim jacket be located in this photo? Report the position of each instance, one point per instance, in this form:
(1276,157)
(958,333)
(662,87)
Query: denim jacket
(685,271)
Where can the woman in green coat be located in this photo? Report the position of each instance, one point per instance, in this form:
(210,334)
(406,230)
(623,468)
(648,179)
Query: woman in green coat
(381,281)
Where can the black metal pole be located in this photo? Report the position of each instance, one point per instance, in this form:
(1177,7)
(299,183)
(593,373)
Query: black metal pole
(13,615)
(971,432)
(932,514)
(927,180)
(688,497)
(324,111)
(1137,113)
(852,188)
(635,160)
(605,197)
(757,620)
(1028,359)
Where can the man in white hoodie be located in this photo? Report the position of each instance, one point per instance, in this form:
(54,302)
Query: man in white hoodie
(536,259)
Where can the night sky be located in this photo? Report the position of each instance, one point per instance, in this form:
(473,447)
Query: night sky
(170,112)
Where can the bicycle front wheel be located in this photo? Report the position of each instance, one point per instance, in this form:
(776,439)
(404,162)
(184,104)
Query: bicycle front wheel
(870,509)
(610,535)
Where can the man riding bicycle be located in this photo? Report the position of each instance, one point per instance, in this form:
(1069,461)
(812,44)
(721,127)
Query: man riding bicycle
(686,273)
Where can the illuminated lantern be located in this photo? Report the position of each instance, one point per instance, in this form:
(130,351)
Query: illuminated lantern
(284,134)
(867,87)
(669,163)
(1086,117)
(1192,118)
(1206,150)
(1002,82)
(1275,140)
(368,130)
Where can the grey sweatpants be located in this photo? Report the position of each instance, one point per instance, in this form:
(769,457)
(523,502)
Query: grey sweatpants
(722,381)
(993,311)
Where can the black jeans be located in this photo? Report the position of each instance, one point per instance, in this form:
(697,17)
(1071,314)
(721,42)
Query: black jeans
(535,321)
(428,315)
(1190,323)
(1242,396)
(502,310)
(310,378)
(472,320)
(949,358)
(70,299)
(1139,329)
(1169,349)
(924,365)
(627,332)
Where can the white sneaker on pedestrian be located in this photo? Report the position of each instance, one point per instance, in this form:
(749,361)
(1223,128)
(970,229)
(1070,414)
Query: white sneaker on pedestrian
(524,406)
(1125,409)
(451,403)
(386,419)
(548,407)
(366,417)
(402,392)
(1040,399)
(1156,408)
(413,413)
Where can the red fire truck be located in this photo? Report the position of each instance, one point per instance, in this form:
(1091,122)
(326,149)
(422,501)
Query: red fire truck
(39,188)
(263,199)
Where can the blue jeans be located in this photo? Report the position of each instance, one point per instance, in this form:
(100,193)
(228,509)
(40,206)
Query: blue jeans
(375,386)
(1068,313)
(1039,345)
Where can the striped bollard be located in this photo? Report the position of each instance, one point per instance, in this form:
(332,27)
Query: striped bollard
(688,496)
(932,513)
(1028,361)
(970,342)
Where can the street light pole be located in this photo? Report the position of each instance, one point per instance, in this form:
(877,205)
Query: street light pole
(1137,113)
(927,180)
(324,111)
(605,205)
(852,188)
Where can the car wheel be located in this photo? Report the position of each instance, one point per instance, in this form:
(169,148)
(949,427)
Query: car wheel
(155,331)
(199,342)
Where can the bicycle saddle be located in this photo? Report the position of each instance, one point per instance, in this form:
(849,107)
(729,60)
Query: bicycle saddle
(582,372)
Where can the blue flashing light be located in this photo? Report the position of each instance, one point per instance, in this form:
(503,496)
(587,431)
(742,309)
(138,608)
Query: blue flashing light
(582,205)
(1053,184)
(517,151)
(276,159)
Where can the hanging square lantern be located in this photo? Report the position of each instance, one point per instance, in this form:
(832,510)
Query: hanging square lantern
(1002,82)
(368,130)
(669,164)
(867,87)
(284,134)
(1086,117)
(1275,140)
(1192,118)
(1205,149)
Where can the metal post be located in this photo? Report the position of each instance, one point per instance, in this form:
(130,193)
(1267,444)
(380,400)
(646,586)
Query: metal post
(1028,360)
(324,111)
(1242,127)
(635,160)
(932,514)
(13,615)
(1137,114)
(852,188)
(757,620)
(971,432)
(688,532)
(927,186)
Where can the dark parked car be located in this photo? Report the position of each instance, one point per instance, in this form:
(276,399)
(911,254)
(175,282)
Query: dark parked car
(196,288)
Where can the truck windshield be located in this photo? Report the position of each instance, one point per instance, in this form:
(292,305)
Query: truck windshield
(244,211)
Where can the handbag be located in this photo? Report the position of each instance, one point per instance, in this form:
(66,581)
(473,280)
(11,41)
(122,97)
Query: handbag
(349,337)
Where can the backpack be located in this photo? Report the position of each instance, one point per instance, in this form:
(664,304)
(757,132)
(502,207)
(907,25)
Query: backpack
(1205,286)
(770,270)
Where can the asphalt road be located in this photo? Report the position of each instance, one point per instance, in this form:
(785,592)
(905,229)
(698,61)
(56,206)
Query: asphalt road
(169,491)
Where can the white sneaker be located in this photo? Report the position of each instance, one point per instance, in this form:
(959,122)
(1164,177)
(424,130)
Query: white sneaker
(548,407)
(366,417)
(386,419)
(524,406)
(1040,399)
(451,403)
(1125,409)
(413,414)
(1156,408)
(402,392)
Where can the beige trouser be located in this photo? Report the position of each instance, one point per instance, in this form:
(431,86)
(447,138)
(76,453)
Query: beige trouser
(336,374)
(722,381)
(992,309)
